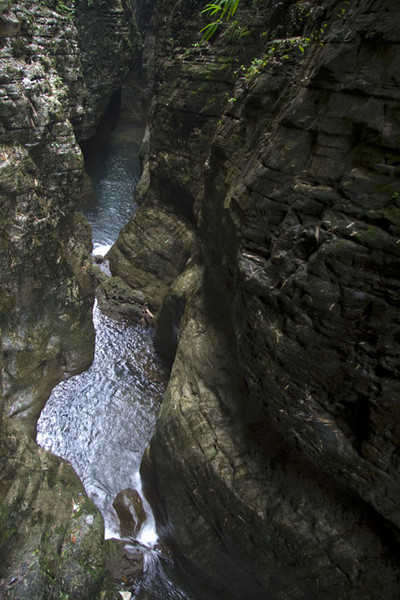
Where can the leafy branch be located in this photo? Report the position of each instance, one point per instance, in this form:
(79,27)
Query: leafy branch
(68,8)
(221,9)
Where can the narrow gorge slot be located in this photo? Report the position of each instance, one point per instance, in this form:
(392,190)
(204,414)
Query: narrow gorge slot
(263,246)
(102,420)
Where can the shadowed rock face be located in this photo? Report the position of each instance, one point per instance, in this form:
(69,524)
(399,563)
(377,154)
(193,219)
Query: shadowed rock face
(110,45)
(275,461)
(313,290)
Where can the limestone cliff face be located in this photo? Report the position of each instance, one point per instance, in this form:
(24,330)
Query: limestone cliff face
(315,215)
(110,43)
(46,279)
(51,536)
(275,460)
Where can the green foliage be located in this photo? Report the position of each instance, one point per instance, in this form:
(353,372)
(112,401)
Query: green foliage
(257,64)
(66,8)
(280,51)
(343,10)
(222,9)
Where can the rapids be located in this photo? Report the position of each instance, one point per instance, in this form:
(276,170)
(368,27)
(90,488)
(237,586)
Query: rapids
(102,420)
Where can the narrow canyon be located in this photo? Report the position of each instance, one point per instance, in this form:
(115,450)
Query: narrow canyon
(261,257)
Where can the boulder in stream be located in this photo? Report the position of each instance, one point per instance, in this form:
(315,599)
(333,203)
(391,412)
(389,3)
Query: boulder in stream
(129,508)
(118,300)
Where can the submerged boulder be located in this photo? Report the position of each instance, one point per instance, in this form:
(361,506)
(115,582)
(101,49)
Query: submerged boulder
(131,514)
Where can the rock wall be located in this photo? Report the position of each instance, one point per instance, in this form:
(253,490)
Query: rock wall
(110,45)
(274,468)
(51,536)
(315,217)
(46,282)
(191,85)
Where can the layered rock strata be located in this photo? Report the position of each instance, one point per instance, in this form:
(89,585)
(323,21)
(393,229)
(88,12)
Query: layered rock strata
(110,46)
(51,536)
(192,86)
(274,467)
(46,282)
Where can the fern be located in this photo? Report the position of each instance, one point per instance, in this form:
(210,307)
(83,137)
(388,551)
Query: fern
(221,8)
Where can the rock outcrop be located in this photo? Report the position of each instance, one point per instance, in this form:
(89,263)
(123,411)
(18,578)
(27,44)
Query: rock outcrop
(274,469)
(192,85)
(46,281)
(313,294)
(51,536)
(110,44)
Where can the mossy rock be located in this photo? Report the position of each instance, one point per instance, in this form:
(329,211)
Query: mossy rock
(116,299)
(51,535)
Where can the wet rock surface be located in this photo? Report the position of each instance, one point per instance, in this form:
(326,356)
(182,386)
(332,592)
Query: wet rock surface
(126,567)
(118,300)
(130,511)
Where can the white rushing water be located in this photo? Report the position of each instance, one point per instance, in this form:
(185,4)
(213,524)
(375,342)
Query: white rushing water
(102,420)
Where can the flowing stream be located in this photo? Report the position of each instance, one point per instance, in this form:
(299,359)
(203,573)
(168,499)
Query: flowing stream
(102,420)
